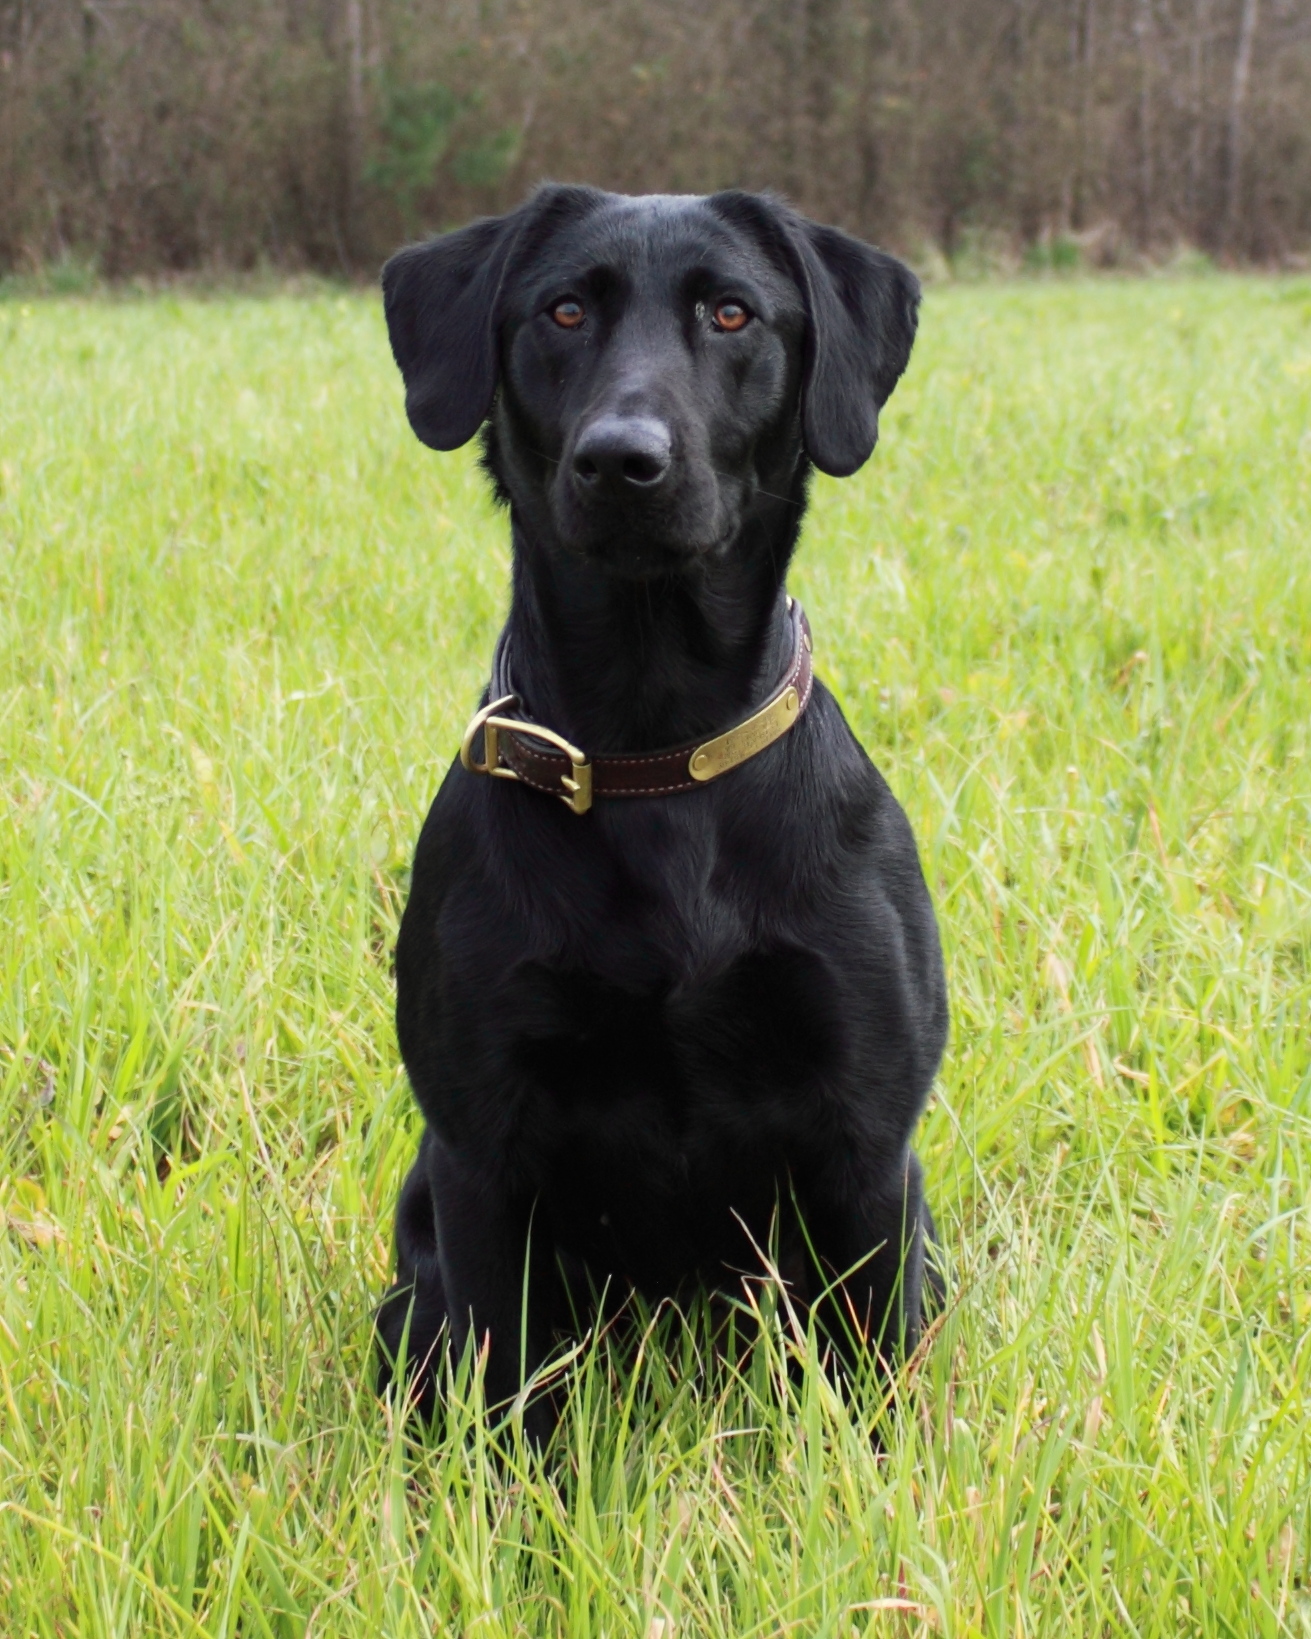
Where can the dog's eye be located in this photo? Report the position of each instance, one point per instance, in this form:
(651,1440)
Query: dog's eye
(568,314)
(730,316)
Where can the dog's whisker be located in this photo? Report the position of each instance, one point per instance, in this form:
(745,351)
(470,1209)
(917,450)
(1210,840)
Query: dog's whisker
(772,495)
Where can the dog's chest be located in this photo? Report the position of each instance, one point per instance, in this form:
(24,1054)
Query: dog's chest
(651,1120)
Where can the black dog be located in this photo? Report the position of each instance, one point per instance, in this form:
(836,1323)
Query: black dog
(642,1031)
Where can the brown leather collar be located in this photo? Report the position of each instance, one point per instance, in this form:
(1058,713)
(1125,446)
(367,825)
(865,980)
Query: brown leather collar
(515,748)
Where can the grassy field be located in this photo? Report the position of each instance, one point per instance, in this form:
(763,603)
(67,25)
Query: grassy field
(243,617)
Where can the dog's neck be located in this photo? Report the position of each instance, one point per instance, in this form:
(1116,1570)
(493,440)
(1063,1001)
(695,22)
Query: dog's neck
(617,664)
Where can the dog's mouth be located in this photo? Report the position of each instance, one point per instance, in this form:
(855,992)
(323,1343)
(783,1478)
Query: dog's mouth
(632,550)
(651,560)
(645,537)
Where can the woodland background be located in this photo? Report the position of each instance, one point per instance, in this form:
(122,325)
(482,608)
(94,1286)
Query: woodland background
(145,136)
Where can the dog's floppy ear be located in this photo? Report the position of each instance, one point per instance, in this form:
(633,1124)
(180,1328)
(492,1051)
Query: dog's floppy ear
(862,306)
(442,301)
(863,309)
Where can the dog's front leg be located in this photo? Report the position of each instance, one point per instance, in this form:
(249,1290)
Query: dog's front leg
(411,1320)
(494,1279)
(867,1235)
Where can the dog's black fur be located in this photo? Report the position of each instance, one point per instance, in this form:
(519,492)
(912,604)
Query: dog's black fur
(634,1033)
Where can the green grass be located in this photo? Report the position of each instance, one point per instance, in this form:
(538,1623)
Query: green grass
(244,617)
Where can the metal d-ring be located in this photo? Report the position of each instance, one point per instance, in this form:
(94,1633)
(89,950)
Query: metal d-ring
(577,793)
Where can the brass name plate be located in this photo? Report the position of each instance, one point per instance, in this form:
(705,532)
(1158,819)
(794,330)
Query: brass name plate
(717,756)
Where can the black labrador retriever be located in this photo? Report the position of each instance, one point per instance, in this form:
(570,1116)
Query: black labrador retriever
(670,981)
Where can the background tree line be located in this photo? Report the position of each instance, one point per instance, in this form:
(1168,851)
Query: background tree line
(143,135)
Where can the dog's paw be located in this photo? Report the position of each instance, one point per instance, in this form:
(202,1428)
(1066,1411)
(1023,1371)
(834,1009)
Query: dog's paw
(411,1336)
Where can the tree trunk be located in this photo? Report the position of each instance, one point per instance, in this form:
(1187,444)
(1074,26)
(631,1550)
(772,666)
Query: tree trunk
(1197,114)
(1084,71)
(354,121)
(1146,170)
(1237,108)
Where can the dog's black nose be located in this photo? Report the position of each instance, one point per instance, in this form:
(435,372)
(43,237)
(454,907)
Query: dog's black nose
(624,452)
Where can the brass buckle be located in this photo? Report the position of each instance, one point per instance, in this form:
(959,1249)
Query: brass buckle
(577,793)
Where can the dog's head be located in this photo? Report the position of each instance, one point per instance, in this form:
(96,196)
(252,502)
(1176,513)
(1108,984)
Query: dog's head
(664,363)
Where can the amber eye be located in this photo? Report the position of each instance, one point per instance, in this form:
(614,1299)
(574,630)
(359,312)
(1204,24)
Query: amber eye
(731,316)
(568,314)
